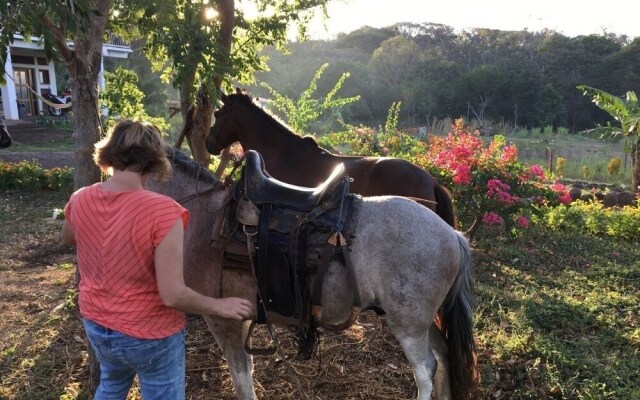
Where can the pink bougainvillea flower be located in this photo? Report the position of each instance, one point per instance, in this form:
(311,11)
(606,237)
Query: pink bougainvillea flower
(500,191)
(558,187)
(565,198)
(491,218)
(536,171)
(509,154)
(462,175)
(522,221)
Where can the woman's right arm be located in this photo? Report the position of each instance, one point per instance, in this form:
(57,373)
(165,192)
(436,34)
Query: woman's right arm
(68,235)
(175,293)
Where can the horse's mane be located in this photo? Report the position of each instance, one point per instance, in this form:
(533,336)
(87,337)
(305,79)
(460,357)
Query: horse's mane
(245,98)
(183,163)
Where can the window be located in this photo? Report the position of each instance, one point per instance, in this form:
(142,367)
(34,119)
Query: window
(44,77)
(21,59)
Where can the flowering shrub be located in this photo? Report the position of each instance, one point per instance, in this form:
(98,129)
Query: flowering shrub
(30,175)
(594,218)
(488,183)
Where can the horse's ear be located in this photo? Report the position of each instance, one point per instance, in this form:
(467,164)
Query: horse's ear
(238,90)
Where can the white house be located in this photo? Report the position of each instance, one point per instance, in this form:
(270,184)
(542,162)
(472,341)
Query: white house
(27,68)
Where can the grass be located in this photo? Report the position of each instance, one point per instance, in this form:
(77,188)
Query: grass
(64,123)
(557,317)
(578,151)
(52,146)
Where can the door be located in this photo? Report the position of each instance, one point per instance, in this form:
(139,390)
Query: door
(23,78)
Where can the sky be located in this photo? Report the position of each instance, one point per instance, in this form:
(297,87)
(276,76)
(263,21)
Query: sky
(569,17)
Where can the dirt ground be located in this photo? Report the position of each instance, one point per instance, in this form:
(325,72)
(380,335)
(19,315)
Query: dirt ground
(42,347)
(27,133)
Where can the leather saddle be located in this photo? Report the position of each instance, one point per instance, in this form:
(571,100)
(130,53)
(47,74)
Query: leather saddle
(261,188)
(284,232)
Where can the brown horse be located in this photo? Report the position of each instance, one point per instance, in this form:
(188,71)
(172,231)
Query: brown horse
(300,161)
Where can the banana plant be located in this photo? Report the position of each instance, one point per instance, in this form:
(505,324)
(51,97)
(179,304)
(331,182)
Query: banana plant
(627,112)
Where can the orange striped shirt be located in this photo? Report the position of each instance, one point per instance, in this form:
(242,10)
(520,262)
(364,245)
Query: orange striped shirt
(116,234)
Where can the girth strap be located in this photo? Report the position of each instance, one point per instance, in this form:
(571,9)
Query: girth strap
(262,261)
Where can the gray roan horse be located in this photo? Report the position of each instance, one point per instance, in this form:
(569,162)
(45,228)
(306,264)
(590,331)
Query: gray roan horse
(406,260)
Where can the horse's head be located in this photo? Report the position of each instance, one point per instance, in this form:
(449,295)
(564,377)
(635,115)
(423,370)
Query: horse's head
(225,129)
(187,180)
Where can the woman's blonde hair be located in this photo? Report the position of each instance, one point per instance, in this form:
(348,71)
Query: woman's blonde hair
(134,146)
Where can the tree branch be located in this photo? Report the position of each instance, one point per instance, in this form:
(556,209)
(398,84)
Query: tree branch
(59,37)
(227,23)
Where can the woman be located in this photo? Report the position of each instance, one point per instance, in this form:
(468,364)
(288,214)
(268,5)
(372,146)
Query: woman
(132,292)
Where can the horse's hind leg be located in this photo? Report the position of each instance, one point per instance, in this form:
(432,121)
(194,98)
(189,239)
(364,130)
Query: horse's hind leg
(442,383)
(229,335)
(417,348)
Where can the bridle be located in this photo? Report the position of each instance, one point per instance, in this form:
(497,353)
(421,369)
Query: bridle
(198,192)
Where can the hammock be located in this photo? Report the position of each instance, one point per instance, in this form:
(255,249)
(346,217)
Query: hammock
(47,102)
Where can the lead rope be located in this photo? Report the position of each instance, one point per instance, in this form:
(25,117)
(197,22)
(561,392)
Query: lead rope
(290,369)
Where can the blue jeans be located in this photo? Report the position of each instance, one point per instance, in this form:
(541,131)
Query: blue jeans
(159,363)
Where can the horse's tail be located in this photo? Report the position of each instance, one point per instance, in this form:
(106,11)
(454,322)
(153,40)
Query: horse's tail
(444,205)
(457,324)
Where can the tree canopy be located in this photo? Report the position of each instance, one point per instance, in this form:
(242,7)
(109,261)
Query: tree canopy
(199,45)
(527,78)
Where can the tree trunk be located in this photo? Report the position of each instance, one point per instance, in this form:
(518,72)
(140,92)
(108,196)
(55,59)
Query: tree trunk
(635,167)
(84,63)
(227,23)
(86,123)
(197,137)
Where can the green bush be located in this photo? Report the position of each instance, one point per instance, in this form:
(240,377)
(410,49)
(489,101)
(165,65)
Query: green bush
(560,164)
(31,176)
(626,225)
(593,218)
(613,167)
(122,97)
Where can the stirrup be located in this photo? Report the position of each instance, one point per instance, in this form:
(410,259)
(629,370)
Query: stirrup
(264,351)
